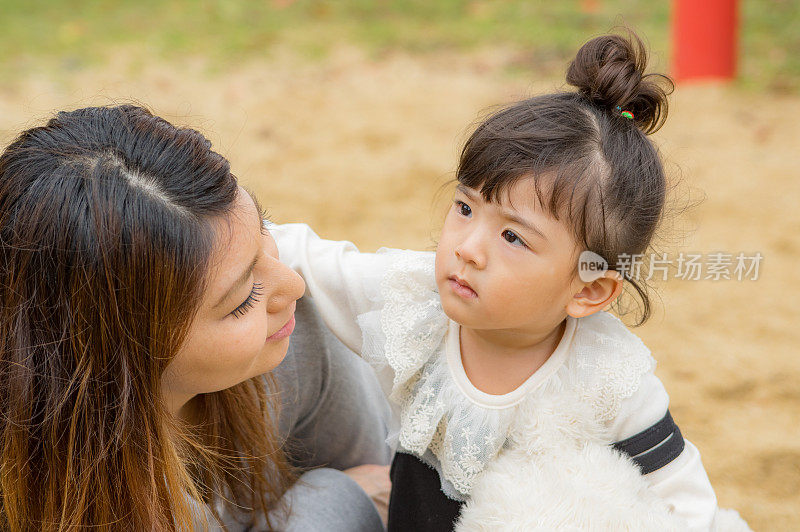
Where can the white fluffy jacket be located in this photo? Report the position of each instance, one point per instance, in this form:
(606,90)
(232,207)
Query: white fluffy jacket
(560,474)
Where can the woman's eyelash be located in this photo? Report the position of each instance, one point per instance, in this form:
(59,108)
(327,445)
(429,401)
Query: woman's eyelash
(247,304)
(460,205)
(265,220)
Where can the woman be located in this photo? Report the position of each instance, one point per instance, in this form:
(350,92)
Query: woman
(142,305)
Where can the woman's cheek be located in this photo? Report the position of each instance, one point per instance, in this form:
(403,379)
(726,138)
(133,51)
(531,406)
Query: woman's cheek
(246,332)
(258,326)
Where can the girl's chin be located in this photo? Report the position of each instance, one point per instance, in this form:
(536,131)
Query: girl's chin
(457,313)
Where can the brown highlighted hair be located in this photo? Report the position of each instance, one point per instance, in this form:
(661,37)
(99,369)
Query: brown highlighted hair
(105,238)
(593,167)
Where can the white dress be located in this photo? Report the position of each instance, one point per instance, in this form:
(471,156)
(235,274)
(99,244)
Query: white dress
(598,387)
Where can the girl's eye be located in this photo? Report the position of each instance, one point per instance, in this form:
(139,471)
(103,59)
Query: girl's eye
(512,238)
(247,304)
(462,208)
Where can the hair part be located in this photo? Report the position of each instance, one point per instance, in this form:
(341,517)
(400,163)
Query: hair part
(106,232)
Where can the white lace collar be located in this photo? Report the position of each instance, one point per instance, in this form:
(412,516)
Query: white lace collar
(444,419)
(514,397)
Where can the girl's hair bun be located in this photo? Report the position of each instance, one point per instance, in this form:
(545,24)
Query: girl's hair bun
(609,71)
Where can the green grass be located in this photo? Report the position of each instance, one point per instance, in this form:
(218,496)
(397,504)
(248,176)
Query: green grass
(71,33)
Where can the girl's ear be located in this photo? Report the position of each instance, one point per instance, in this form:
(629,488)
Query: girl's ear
(595,295)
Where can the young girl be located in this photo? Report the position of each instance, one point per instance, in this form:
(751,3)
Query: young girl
(522,404)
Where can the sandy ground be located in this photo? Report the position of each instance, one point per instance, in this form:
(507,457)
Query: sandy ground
(360,149)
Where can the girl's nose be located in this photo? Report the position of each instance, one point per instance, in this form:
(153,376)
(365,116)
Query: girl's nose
(288,287)
(471,251)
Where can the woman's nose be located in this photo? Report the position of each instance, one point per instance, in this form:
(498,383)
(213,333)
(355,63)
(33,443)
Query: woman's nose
(471,250)
(288,287)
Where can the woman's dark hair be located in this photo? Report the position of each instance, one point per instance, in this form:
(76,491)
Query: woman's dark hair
(592,166)
(107,226)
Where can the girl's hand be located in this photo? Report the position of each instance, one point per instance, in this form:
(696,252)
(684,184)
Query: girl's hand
(374,480)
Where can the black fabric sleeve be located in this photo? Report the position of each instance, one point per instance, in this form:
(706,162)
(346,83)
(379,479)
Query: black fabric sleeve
(654,447)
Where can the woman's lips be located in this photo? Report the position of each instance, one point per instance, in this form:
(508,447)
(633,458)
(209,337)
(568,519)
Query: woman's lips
(461,288)
(284,331)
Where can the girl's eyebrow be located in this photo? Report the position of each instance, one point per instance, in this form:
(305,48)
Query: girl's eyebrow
(466,191)
(523,222)
(508,214)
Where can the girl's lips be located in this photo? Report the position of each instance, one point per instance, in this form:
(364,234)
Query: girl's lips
(284,331)
(461,288)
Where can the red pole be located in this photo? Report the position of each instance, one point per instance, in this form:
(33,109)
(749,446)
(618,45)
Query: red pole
(704,39)
(590,6)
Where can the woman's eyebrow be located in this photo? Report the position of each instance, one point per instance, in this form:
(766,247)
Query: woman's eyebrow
(262,213)
(239,282)
(262,216)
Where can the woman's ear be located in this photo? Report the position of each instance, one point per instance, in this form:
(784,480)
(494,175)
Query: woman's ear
(595,295)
